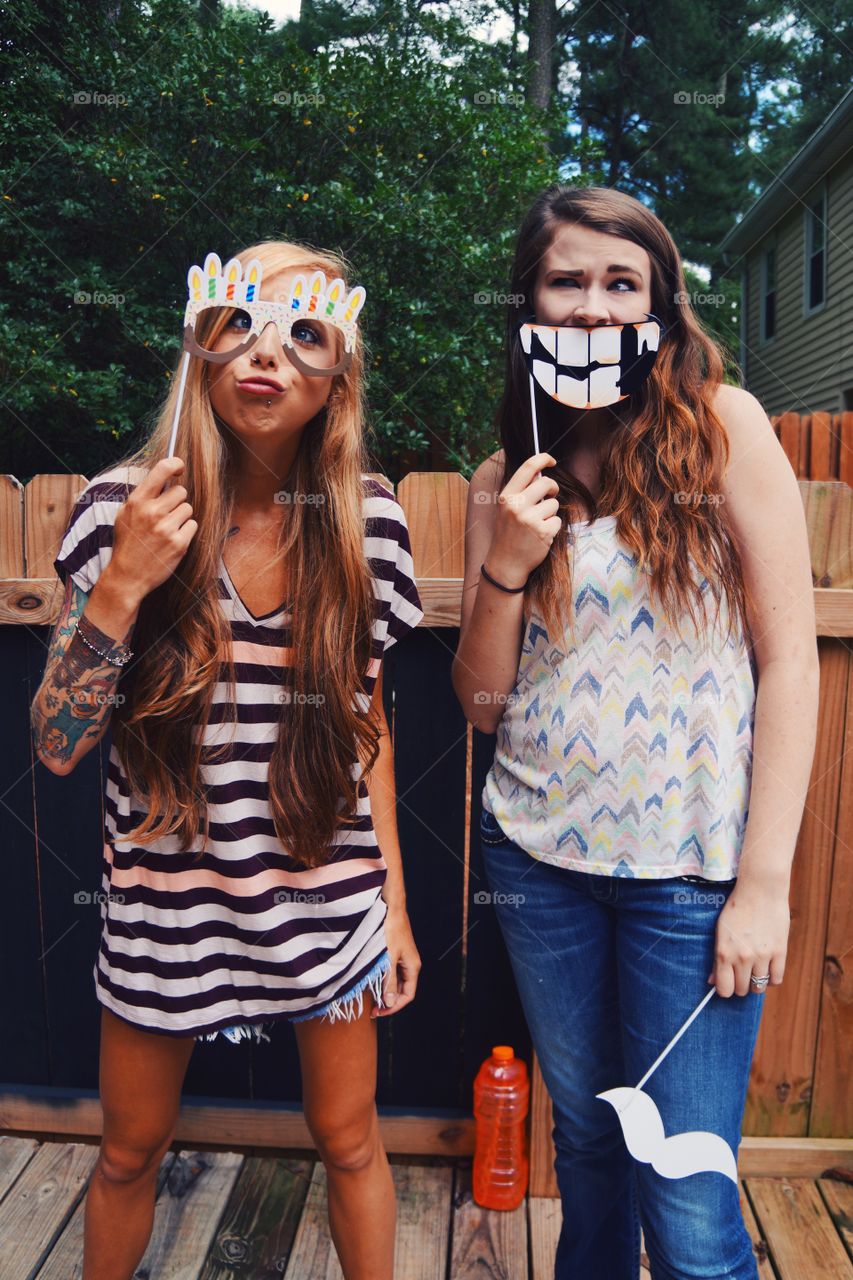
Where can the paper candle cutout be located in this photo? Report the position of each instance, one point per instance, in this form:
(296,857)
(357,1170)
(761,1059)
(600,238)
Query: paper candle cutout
(210,285)
(695,1151)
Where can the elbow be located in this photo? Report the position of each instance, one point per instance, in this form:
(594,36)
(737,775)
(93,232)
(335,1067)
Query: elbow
(487,727)
(60,767)
(54,763)
(476,706)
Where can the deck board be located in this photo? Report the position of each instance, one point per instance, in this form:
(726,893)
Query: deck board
(65,1260)
(801,1235)
(837,1195)
(37,1205)
(257,1230)
(488,1244)
(221,1211)
(423,1225)
(192,1200)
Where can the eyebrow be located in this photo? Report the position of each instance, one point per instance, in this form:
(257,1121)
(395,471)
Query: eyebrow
(615,267)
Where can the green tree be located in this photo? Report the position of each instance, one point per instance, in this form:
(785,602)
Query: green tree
(137,138)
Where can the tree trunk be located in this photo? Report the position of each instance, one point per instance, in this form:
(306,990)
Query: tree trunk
(542,22)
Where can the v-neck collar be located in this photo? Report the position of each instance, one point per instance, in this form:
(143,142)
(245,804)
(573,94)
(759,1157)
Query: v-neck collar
(240,603)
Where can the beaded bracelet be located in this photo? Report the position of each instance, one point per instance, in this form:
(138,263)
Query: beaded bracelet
(511,590)
(121,654)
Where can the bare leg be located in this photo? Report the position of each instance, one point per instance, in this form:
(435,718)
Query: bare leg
(141,1076)
(338,1063)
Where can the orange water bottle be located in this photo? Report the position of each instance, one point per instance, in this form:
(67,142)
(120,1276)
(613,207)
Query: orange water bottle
(501,1096)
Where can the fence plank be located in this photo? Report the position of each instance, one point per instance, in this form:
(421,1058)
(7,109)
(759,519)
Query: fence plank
(430,734)
(435,504)
(69,839)
(828,506)
(790,433)
(781,1080)
(22,1001)
(48,500)
(820,447)
(832,1098)
(11,527)
(845,449)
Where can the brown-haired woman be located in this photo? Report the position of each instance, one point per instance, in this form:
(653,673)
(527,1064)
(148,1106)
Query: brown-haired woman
(633,741)
(259,582)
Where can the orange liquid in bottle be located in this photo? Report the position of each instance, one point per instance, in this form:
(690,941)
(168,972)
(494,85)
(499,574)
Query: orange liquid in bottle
(501,1098)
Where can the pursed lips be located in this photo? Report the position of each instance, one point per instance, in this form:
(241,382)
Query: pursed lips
(259,386)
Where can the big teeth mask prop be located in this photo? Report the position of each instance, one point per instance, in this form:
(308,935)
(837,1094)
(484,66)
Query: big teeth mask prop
(588,367)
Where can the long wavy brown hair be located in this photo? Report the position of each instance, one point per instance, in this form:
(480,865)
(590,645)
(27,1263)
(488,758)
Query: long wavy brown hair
(666,438)
(182,638)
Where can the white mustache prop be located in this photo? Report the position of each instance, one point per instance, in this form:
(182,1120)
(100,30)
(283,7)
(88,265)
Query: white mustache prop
(695,1151)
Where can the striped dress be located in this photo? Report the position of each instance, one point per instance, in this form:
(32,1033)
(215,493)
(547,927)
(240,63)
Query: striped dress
(625,750)
(198,947)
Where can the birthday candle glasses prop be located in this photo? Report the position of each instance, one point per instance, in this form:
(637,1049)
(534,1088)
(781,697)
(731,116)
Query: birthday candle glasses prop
(225,316)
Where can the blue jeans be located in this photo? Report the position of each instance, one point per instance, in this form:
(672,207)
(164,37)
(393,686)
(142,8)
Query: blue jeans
(608,968)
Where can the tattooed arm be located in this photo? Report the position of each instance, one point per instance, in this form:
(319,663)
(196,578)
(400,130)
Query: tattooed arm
(72,708)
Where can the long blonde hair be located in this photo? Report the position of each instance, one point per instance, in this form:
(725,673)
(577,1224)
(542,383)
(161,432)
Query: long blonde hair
(181,636)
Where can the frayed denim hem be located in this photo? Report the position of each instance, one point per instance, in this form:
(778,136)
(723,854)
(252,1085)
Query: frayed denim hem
(236,1033)
(342,1008)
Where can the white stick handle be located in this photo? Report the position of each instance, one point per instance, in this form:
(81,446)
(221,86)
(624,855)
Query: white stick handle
(183,383)
(695,1014)
(533,414)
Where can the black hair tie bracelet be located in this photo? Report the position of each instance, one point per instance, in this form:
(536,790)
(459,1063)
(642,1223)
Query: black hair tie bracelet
(512,590)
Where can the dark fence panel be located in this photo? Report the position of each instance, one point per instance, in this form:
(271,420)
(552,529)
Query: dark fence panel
(50,919)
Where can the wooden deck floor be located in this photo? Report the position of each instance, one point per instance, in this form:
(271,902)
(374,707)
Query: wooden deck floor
(222,1215)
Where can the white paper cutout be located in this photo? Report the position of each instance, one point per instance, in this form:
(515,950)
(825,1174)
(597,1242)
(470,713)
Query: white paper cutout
(588,366)
(695,1151)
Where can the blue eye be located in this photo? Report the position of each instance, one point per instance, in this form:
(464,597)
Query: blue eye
(303,332)
(241,320)
(309,333)
(624,280)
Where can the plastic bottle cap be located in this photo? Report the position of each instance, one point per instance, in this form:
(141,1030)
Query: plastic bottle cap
(503,1051)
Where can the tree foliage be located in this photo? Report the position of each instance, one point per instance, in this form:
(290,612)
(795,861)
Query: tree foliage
(411,135)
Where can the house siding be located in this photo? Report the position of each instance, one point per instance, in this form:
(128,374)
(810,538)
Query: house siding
(809,364)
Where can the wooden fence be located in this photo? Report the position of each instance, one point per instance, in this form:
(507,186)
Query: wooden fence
(819,445)
(799,1107)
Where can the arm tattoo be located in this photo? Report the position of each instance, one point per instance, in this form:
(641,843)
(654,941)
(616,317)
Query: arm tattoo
(77,693)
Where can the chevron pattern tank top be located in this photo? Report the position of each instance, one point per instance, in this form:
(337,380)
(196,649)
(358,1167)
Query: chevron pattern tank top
(624,749)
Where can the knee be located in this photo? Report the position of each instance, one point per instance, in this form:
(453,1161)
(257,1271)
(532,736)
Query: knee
(348,1147)
(584,1133)
(695,1230)
(123,1161)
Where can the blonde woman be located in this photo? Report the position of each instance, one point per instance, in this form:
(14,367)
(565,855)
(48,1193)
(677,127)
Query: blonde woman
(638,626)
(226,611)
